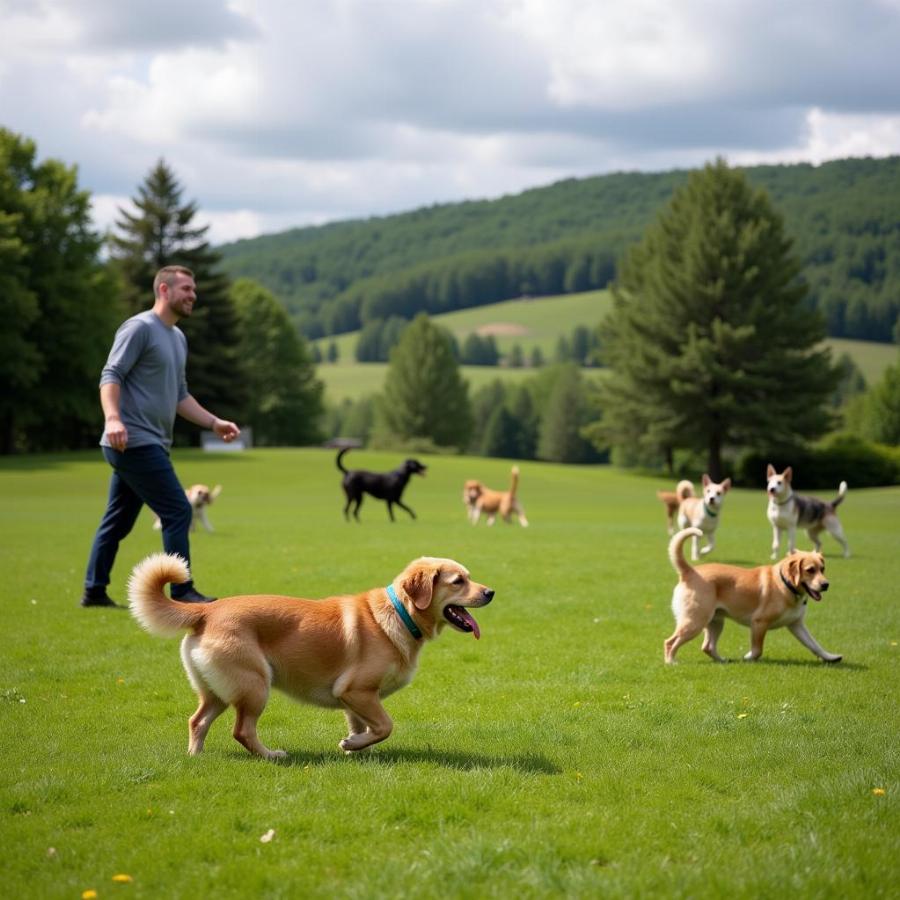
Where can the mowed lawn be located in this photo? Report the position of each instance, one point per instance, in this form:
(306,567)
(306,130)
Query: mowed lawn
(556,757)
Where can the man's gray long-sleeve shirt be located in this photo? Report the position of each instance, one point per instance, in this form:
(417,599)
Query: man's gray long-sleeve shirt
(147,361)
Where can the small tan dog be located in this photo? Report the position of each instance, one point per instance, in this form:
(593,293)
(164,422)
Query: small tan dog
(673,500)
(481,499)
(703,513)
(762,598)
(199,496)
(344,652)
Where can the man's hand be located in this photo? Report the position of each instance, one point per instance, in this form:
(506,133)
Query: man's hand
(116,433)
(228,431)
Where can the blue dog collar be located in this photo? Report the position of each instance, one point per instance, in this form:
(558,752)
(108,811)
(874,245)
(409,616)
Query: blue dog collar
(404,615)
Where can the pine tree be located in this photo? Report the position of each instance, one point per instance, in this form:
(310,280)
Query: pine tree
(560,437)
(162,233)
(424,394)
(709,342)
(287,397)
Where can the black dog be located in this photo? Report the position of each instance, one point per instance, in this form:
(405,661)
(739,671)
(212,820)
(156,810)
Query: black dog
(387,486)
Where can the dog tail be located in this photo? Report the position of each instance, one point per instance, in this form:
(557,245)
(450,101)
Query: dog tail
(215,492)
(340,465)
(514,483)
(684,489)
(842,492)
(151,607)
(676,553)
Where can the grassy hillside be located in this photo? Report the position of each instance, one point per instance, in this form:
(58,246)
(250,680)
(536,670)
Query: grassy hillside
(536,322)
(556,757)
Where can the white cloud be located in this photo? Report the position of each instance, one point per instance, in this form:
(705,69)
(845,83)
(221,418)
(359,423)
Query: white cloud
(275,113)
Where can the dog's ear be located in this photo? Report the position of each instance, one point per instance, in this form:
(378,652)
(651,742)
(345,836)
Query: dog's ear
(726,485)
(419,584)
(706,479)
(770,471)
(788,474)
(794,567)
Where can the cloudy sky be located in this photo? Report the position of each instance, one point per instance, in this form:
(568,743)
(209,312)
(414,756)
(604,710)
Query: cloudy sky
(278,113)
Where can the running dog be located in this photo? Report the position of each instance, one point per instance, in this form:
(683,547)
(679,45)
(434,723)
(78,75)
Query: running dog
(762,598)
(480,499)
(673,499)
(344,652)
(788,510)
(200,497)
(702,513)
(387,486)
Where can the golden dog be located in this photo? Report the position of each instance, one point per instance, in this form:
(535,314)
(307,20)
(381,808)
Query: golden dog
(762,598)
(344,652)
(481,499)
(672,500)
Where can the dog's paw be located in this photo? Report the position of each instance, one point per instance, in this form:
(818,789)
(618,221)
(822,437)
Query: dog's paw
(749,657)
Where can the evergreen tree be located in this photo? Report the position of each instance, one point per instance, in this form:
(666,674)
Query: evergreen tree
(516,357)
(424,393)
(502,434)
(536,360)
(523,410)
(57,303)
(709,341)
(333,353)
(560,437)
(162,233)
(281,377)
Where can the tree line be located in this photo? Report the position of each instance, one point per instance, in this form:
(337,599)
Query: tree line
(62,302)
(841,216)
(711,348)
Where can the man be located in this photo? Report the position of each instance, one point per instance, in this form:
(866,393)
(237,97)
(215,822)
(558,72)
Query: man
(142,387)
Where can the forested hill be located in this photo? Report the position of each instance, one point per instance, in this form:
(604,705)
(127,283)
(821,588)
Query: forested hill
(844,217)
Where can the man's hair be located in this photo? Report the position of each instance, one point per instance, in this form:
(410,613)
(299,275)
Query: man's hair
(167,275)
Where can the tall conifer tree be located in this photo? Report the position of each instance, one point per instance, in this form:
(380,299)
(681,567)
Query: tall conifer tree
(709,343)
(162,232)
(425,395)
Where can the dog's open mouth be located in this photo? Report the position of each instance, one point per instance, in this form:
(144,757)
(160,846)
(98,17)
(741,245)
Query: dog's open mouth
(812,593)
(460,618)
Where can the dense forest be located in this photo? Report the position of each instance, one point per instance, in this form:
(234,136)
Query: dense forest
(843,216)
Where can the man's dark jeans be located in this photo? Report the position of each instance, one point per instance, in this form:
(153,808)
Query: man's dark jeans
(140,475)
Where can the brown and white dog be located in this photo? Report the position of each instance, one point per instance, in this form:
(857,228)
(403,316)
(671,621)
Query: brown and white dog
(343,652)
(703,513)
(199,496)
(673,499)
(787,510)
(762,598)
(481,499)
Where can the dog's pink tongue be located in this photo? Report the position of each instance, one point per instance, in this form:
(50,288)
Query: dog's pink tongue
(476,631)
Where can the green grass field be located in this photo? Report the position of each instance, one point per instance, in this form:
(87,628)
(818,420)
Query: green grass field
(538,322)
(556,757)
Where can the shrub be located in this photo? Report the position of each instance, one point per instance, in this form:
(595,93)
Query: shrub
(843,457)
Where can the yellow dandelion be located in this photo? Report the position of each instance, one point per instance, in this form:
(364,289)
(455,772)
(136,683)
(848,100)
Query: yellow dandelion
(122,879)
(89,894)
(743,715)
(878,792)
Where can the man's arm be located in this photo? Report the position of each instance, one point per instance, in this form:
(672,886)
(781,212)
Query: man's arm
(191,410)
(116,432)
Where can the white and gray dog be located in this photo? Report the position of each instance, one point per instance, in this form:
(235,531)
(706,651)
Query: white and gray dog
(788,510)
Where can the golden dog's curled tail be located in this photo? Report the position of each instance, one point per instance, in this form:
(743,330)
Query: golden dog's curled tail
(150,606)
(514,483)
(676,553)
(684,489)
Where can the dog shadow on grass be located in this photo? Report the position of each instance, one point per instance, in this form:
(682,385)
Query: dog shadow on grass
(533,763)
